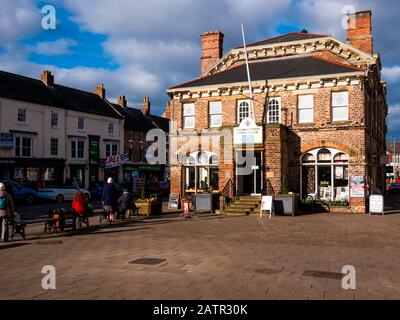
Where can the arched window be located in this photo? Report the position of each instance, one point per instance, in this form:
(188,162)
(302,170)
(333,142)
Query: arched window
(243,110)
(308,158)
(324,156)
(273,111)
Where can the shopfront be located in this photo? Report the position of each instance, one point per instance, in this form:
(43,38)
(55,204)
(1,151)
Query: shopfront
(136,176)
(33,171)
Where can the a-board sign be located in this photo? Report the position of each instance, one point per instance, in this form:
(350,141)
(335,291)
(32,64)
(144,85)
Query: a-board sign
(173,202)
(376,204)
(266,203)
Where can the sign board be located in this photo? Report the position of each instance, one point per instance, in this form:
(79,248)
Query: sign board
(248,133)
(357,187)
(376,204)
(6,141)
(266,203)
(94,148)
(173,202)
(116,161)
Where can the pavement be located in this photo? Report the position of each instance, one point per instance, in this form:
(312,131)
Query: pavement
(211,257)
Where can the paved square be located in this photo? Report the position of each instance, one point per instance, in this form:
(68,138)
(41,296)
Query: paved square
(213,257)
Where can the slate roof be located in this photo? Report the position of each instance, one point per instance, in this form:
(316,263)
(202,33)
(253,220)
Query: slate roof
(292,67)
(289,37)
(136,120)
(13,86)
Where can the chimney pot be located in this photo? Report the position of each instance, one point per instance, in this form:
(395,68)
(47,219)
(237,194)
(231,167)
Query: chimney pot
(47,78)
(359,32)
(122,101)
(101,91)
(146,106)
(211,49)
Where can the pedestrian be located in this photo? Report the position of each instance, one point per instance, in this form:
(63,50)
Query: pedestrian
(6,212)
(80,203)
(124,203)
(109,199)
(75,183)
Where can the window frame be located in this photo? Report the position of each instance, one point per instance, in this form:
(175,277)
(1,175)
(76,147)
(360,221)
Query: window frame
(336,107)
(279,101)
(211,115)
(81,120)
(239,112)
(25,115)
(185,116)
(52,114)
(110,146)
(111,126)
(300,108)
(19,147)
(77,142)
(52,140)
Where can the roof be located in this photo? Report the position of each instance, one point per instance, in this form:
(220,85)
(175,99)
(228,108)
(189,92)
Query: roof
(282,68)
(136,120)
(13,86)
(289,37)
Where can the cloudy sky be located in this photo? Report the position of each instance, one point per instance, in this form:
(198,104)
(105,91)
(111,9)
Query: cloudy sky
(141,47)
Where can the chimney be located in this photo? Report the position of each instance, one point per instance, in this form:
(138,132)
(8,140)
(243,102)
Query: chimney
(101,91)
(47,78)
(359,32)
(167,113)
(122,101)
(211,48)
(146,106)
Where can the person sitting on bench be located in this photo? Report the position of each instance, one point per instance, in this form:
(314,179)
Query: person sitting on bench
(79,205)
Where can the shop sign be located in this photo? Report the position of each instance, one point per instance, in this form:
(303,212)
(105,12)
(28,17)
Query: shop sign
(248,133)
(173,202)
(6,141)
(94,148)
(376,204)
(116,161)
(357,187)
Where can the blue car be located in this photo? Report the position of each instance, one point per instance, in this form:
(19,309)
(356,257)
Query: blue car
(21,193)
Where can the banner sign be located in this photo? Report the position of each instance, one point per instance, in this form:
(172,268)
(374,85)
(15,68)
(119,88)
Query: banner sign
(116,161)
(357,187)
(94,148)
(248,133)
(6,141)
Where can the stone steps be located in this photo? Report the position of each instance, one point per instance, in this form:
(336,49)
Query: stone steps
(244,205)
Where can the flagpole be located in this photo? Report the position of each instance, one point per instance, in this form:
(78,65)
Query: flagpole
(248,74)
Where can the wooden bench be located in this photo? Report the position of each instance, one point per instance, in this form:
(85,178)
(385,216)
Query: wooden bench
(18,226)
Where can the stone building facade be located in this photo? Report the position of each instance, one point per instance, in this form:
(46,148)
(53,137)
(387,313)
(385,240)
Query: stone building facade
(321,105)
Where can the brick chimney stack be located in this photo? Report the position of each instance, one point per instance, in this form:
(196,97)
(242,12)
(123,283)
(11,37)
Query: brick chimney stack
(146,106)
(122,101)
(212,47)
(47,78)
(359,32)
(101,91)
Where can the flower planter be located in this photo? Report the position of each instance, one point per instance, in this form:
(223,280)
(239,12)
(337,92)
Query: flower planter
(149,207)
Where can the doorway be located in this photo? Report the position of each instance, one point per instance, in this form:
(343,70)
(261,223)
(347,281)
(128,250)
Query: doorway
(249,173)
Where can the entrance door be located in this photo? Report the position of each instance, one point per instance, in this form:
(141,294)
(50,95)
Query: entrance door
(251,181)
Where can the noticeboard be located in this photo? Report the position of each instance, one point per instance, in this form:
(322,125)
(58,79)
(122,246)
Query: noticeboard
(266,203)
(376,204)
(173,202)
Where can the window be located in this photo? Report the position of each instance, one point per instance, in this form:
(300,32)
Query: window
(23,146)
(54,119)
(340,106)
(306,108)
(111,149)
(243,110)
(21,117)
(81,123)
(273,111)
(188,116)
(77,149)
(111,128)
(54,147)
(215,113)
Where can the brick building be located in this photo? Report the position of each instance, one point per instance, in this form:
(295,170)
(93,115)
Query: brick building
(320,104)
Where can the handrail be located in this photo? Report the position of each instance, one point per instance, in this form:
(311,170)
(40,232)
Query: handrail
(228,192)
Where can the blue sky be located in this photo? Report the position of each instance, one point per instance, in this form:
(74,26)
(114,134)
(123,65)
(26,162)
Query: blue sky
(142,47)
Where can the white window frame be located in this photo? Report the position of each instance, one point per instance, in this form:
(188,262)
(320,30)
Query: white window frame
(20,154)
(54,116)
(240,113)
(26,115)
(110,152)
(51,146)
(111,128)
(277,99)
(301,106)
(83,123)
(77,141)
(187,116)
(213,113)
(337,106)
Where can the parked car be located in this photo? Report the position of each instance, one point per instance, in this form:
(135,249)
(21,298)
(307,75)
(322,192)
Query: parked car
(96,189)
(394,187)
(60,193)
(21,193)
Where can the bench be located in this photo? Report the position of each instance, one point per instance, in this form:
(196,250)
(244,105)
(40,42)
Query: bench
(18,226)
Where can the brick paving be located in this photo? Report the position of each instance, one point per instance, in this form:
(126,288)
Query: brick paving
(213,257)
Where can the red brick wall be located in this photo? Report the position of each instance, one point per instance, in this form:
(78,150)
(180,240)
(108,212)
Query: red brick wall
(360,36)
(212,49)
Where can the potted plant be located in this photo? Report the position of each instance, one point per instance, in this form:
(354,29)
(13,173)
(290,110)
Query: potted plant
(148,206)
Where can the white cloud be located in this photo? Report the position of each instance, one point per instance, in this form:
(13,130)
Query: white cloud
(394,117)
(18,19)
(391,73)
(55,48)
